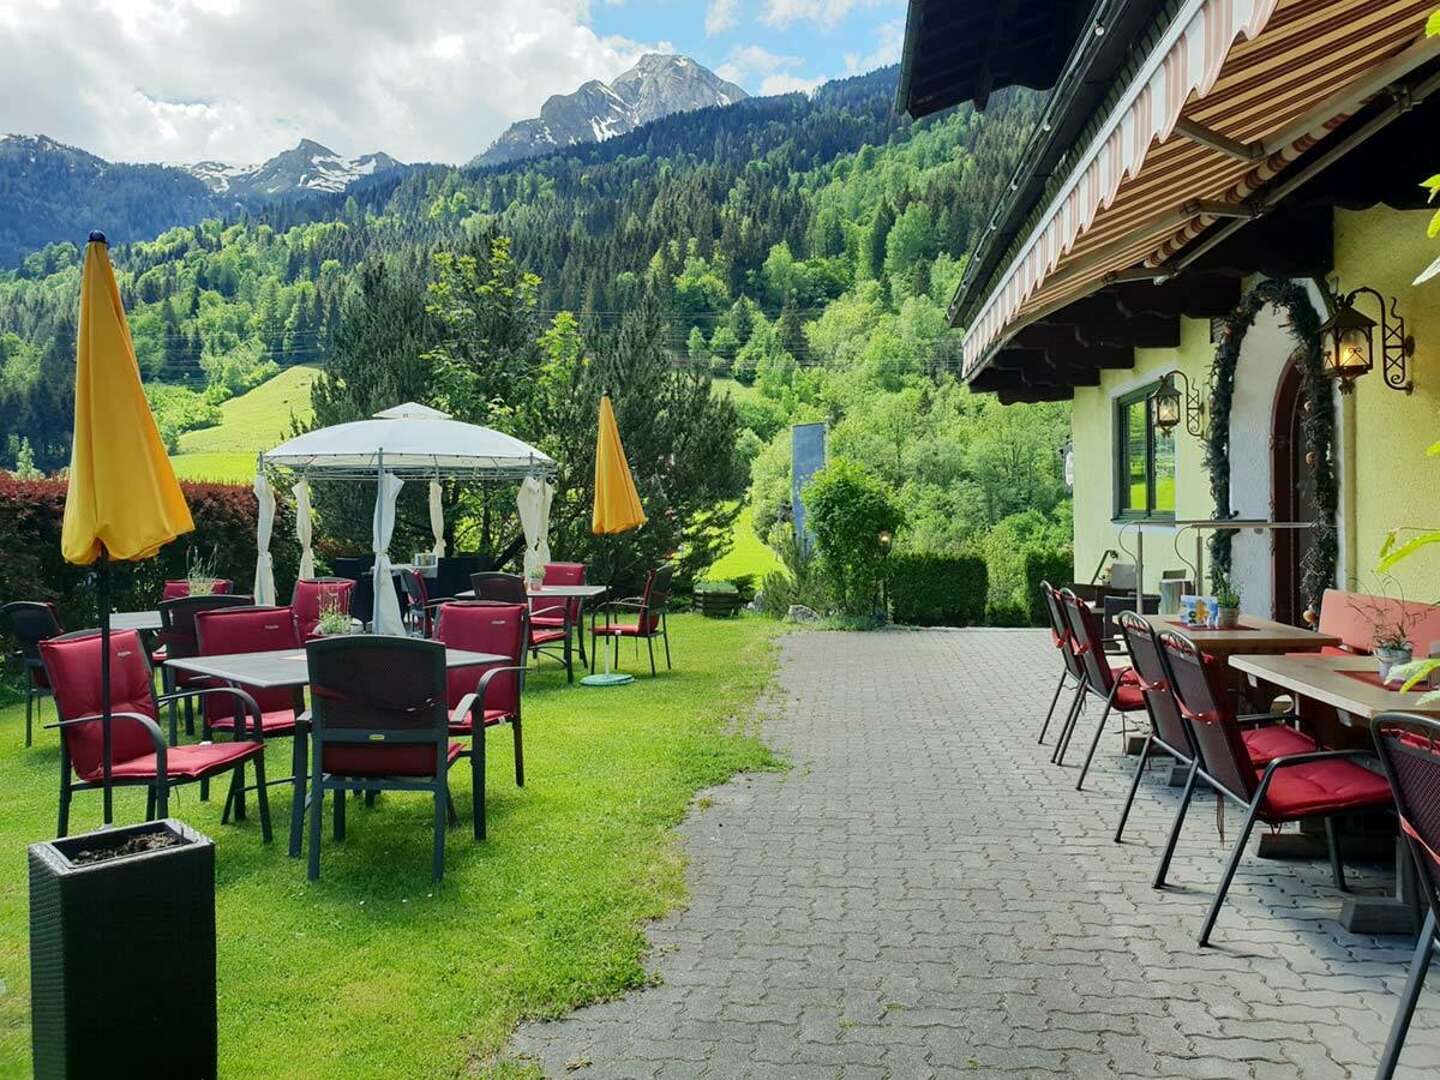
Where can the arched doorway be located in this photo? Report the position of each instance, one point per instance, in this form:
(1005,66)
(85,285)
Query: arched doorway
(1292,498)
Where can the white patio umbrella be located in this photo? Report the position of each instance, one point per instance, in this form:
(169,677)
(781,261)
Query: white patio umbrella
(304,527)
(264,566)
(386,618)
(533,502)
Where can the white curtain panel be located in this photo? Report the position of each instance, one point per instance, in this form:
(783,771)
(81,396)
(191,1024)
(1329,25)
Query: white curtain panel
(386,616)
(303,527)
(533,502)
(437,519)
(264,567)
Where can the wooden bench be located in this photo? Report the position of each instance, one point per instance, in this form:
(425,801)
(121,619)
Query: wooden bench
(1340,618)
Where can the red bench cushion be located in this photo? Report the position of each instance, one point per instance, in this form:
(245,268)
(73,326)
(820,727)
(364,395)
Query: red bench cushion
(414,759)
(1276,740)
(185,762)
(1323,787)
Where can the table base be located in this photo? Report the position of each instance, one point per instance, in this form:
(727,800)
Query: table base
(613,678)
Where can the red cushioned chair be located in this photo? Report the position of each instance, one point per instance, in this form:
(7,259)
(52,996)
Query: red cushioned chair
(138,752)
(379,721)
(1266,737)
(1409,749)
(178,641)
(224,632)
(1295,787)
(544,614)
(649,611)
(174,590)
(311,595)
(497,588)
(30,622)
(483,697)
(1060,637)
(1119,690)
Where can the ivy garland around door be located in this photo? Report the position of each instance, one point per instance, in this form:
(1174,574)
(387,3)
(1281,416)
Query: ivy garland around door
(1317,424)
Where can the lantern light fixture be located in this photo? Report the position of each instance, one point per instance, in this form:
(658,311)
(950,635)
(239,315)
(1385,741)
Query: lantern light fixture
(1170,399)
(1347,342)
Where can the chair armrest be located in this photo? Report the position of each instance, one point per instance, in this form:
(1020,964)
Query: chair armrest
(152,729)
(564,610)
(248,702)
(477,699)
(1265,719)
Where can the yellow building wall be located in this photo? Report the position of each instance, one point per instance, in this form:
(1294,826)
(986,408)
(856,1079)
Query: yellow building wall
(1395,484)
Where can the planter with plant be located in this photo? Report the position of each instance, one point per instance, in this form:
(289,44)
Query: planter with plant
(1227,603)
(200,573)
(1391,622)
(717,599)
(333,619)
(122,953)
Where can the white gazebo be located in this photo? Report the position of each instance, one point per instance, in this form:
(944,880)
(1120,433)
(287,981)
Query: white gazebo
(407,442)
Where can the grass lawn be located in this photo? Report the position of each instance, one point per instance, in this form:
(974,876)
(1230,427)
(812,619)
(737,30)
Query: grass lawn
(374,971)
(738,391)
(254,421)
(750,555)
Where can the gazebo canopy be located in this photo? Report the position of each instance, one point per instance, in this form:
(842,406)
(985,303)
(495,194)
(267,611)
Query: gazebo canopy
(410,440)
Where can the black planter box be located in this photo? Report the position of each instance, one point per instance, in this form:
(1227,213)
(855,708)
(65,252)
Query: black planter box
(122,956)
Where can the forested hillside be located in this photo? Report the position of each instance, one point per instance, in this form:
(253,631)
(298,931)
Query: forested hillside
(804,245)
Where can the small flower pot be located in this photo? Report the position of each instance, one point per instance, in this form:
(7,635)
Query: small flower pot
(1388,656)
(122,953)
(1227,618)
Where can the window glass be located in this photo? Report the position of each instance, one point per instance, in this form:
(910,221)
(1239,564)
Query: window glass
(1144,459)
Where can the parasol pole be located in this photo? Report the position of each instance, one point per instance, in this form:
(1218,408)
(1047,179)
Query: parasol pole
(105,709)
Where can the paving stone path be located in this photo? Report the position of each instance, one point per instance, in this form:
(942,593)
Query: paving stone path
(923,895)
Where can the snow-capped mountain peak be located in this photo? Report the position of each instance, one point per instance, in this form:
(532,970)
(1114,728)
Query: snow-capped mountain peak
(659,84)
(309,166)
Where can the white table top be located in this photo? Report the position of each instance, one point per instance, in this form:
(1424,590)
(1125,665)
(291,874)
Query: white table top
(288,668)
(583,592)
(135,620)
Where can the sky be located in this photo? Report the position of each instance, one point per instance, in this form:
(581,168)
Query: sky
(241,80)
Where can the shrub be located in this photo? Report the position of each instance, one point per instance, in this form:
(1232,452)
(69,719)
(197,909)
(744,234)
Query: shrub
(1055,565)
(31,513)
(799,583)
(849,509)
(936,590)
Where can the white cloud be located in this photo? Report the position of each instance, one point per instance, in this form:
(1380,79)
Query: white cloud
(785,83)
(721,15)
(239,80)
(774,73)
(826,13)
(889,38)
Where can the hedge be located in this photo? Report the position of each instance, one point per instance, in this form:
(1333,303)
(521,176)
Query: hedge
(31,513)
(936,590)
(1057,566)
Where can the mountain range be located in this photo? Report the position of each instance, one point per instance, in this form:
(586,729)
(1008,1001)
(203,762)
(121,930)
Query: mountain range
(51,192)
(660,84)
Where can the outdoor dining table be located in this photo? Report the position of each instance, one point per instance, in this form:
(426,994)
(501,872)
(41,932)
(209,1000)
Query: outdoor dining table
(144,621)
(1351,685)
(558,592)
(289,669)
(1253,637)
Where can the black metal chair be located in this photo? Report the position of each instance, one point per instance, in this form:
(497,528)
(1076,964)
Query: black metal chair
(380,722)
(1064,642)
(30,622)
(649,611)
(1297,787)
(1409,748)
(500,588)
(179,640)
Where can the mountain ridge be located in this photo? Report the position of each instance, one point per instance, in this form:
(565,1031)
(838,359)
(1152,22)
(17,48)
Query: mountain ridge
(658,85)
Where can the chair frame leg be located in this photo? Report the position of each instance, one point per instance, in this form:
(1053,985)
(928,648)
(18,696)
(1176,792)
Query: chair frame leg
(337,829)
(1099,732)
(29,711)
(1252,814)
(1072,717)
(1174,838)
(477,782)
(1429,942)
(262,799)
(442,803)
(317,804)
(519,751)
(1134,785)
(1054,700)
(650,644)
(1337,862)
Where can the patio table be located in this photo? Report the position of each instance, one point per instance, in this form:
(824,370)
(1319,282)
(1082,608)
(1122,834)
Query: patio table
(559,592)
(1348,684)
(288,669)
(1254,636)
(145,621)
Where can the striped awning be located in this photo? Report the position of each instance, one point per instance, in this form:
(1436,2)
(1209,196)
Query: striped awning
(1234,92)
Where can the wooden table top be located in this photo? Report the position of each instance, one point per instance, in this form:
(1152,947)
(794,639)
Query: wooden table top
(1323,678)
(287,668)
(1258,636)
